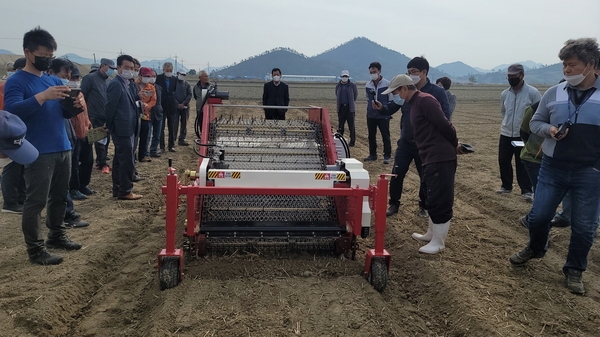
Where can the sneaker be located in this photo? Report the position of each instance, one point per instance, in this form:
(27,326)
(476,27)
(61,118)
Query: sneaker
(503,190)
(106,169)
(183,143)
(423,212)
(137,178)
(73,216)
(44,258)
(574,281)
(392,209)
(560,221)
(370,158)
(76,223)
(146,159)
(16,209)
(525,255)
(172,149)
(62,242)
(87,190)
(524,221)
(155,155)
(386,160)
(76,195)
(527,196)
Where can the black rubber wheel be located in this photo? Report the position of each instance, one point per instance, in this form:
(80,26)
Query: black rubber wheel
(168,274)
(379,274)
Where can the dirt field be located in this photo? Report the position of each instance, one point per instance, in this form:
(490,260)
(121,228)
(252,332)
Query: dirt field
(110,287)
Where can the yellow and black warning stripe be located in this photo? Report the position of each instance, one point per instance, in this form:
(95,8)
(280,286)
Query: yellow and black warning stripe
(341,176)
(213,174)
(236,175)
(319,176)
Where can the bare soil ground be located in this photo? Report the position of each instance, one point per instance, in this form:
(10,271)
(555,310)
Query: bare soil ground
(110,287)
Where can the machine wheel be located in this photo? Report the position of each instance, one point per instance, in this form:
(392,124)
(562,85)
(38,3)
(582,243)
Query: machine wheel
(168,274)
(379,274)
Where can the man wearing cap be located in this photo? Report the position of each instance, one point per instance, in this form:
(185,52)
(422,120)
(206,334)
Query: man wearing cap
(93,87)
(346,94)
(35,97)
(514,101)
(438,145)
(183,95)
(13,181)
(121,121)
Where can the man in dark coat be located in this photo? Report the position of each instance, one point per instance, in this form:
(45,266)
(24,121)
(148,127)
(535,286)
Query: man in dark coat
(276,93)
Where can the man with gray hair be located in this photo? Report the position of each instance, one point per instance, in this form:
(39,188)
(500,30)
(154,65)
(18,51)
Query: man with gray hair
(167,82)
(567,118)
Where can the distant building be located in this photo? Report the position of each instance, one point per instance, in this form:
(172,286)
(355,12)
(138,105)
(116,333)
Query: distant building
(304,78)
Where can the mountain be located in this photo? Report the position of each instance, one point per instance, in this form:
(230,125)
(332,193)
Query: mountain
(457,69)
(157,64)
(526,64)
(6,52)
(543,75)
(78,59)
(354,56)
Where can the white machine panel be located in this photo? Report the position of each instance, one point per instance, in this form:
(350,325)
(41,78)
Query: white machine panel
(274,178)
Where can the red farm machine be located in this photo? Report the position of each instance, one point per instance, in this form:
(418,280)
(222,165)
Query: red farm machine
(261,183)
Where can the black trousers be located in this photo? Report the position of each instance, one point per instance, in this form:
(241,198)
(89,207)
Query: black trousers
(13,185)
(101,149)
(505,154)
(274,114)
(346,116)
(82,163)
(439,181)
(144,141)
(405,153)
(384,127)
(123,166)
(180,124)
(533,171)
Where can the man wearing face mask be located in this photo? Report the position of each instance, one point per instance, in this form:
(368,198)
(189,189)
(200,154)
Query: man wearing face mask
(375,120)
(156,118)
(183,96)
(275,93)
(167,82)
(11,69)
(147,95)
(407,151)
(35,97)
(121,121)
(93,88)
(514,100)
(346,94)
(567,118)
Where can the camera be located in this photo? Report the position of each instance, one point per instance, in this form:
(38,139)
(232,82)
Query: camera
(562,129)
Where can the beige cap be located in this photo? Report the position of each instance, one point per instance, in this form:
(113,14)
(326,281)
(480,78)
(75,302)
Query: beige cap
(397,82)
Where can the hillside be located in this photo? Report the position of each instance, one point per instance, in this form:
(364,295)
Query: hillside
(354,56)
(457,69)
(6,52)
(545,75)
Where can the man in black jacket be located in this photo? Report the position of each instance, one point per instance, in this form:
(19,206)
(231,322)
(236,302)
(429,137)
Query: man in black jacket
(167,82)
(275,93)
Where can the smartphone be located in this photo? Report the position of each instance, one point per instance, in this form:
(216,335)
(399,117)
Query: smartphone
(74,92)
(562,129)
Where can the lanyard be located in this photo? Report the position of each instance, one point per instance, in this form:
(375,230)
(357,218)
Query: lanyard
(576,112)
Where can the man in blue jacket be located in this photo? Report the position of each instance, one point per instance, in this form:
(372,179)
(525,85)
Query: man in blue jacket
(375,120)
(121,122)
(35,97)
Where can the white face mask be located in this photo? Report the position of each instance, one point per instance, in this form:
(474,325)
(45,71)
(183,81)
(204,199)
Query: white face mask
(127,74)
(374,77)
(64,81)
(146,80)
(5,161)
(576,80)
(276,78)
(344,79)
(10,73)
(181,77)
(152,80)
(415,78)
(74,84)
(136,73)
(169,74)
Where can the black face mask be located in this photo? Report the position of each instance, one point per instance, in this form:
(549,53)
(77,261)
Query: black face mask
(514,81)
(42,63)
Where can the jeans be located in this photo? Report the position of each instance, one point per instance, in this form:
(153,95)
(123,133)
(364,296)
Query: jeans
(384,127)
(47,181)
(82,163)
(553,184)
(405,153)
(144,139)
(439,180)
(181,117)
(533,170)
(123,166)
(345,115)
(505,154)
(156,128)
(13,185)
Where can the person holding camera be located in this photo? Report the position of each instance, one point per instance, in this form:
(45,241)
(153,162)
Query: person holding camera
(375,87)
(35,97)
(567,118)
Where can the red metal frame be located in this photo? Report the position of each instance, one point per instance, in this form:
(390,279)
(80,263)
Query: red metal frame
(348,199)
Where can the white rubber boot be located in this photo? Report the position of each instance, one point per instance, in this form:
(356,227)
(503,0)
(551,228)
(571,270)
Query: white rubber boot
(424,237)
(436,245)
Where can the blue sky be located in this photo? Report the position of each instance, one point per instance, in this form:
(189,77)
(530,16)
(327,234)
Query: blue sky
(481,33)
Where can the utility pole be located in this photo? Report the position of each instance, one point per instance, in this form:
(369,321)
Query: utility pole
(175,62)
(94,58)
